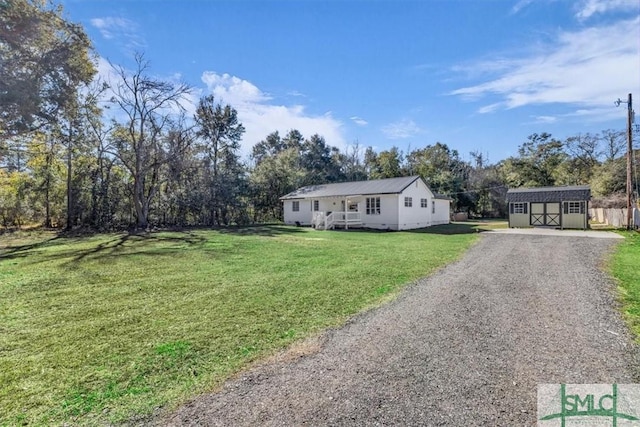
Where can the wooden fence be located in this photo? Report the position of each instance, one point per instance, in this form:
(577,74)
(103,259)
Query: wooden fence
(614,217)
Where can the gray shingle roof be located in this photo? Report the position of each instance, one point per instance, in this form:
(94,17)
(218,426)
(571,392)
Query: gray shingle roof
(549,194)
(378,186)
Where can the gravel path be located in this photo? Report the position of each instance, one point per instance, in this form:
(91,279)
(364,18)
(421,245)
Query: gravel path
(467,346)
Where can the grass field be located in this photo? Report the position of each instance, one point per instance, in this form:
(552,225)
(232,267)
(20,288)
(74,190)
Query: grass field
(625,266)
(107,328)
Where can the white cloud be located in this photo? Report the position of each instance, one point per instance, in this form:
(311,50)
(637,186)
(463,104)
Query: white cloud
(260,116)
(122,30)
(520,5)
(109,25)
(401,129)
(595,115)
(588,8)
(587,68)
(295,93)
(545,119)
(490,108)
(233,90)
(480,68)
(359,121)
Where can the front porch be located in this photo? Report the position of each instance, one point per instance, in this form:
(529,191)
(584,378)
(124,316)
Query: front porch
(332,220)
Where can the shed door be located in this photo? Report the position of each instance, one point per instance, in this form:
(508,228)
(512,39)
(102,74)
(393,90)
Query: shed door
(552,216)
(545,214)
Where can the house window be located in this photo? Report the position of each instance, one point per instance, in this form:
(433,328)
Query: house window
(433,206)
(315,205)
(353,207)
(295,206)
(373,206)
(424,203)
(518,208)
(574,207)
(408,202)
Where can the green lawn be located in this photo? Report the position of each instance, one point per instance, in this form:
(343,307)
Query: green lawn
(109,327)
(625,266)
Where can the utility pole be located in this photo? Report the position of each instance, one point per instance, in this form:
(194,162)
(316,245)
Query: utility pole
(629,157)
(629,164)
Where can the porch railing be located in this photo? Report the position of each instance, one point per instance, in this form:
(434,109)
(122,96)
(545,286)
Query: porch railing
(326,222)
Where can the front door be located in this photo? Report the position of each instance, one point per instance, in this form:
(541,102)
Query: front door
(545,214)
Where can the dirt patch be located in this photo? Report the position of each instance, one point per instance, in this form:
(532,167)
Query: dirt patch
(300,349)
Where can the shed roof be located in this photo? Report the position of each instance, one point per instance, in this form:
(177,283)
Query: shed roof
(354,188)
(549,194)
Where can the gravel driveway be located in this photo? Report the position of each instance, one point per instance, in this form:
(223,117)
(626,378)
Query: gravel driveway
(466,346)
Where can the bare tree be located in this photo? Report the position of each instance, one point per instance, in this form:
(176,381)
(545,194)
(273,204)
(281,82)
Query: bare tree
(353,164)
(613,143)
(148,105)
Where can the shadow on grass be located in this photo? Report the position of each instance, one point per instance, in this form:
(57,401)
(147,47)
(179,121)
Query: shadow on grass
(268,230)
(21,250)
(139,244)
(156,243)
(136,243)
(150,243)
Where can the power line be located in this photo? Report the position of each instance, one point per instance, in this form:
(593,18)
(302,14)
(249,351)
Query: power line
(476,191)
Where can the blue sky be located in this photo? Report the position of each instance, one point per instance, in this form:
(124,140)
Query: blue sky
(476,75)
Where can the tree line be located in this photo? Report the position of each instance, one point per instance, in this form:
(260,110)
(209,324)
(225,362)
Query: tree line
(77,152)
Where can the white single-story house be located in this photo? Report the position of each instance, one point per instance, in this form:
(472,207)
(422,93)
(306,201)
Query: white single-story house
(558,207)
(388,204)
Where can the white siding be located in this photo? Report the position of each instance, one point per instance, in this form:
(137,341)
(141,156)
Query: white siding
(442,214)
(324,205)
(303,216)
(415,216)
(388,218)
